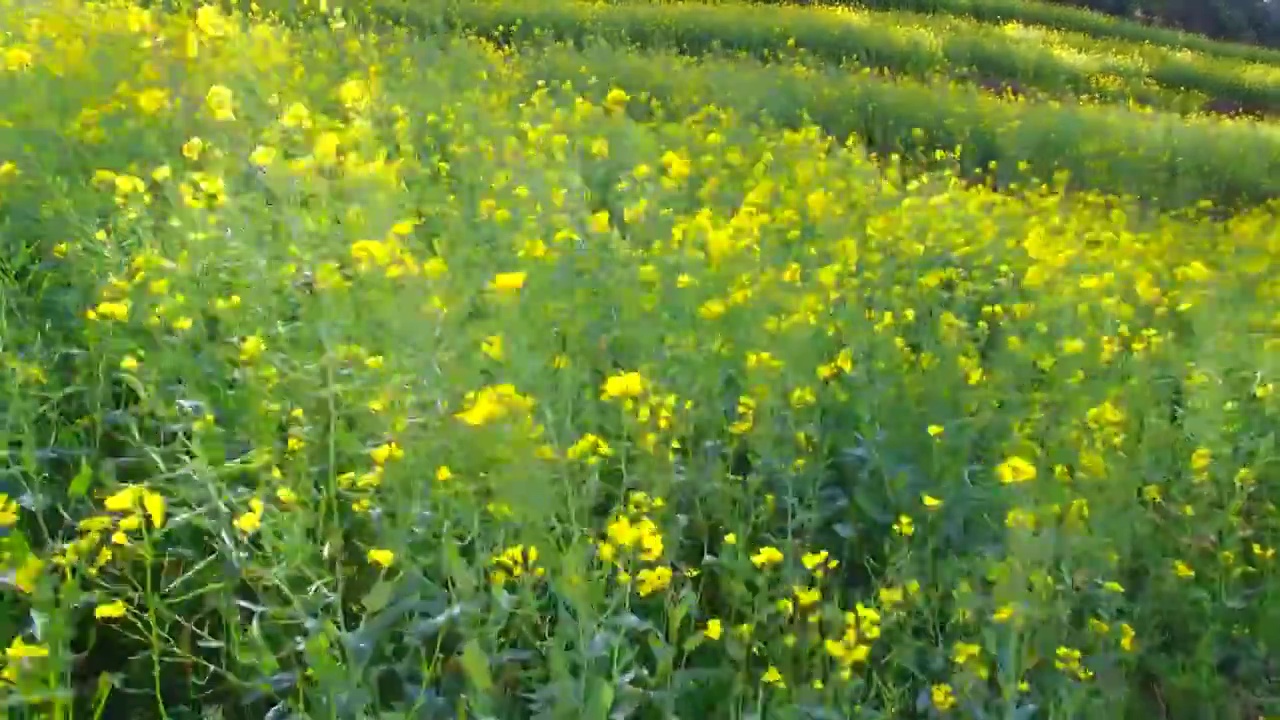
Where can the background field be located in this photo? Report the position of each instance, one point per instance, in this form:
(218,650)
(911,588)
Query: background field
(900,43)
(629,360)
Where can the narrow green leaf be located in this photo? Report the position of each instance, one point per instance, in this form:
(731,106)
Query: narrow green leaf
(476,665)
(79,486)
(600,700)
(378,596)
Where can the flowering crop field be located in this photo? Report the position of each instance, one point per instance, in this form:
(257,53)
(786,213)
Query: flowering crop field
(909,44)
(1077,19)
(355,373)
(1167,160)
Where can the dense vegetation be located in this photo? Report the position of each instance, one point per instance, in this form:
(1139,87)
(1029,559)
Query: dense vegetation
(903,44)
(512,359)
(1250,21)
(1254,23)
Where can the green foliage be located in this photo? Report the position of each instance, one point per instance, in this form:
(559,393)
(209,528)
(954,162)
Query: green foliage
(398,375)
(1067,17)
(899,43)
(1159,158)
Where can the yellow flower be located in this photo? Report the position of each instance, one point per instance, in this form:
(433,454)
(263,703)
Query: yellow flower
(17,59)
(124,499)
(890,596)
(263,155)
(935,431)
(114,311)
(803,397)
(221,103)
(515,562)
(1126,637)
(1068,660)
(905,526)
(153,101)
(443,473)
(249,522)
(27,574)
(1183,570)
(325,148)
(384,452)
(95,524)
(492,348)
(296,115)
(154,505)
(713,630)
(930,502)
(653,580)
(616,99)
(509,282)
(606,552)
(943,697)
(1015,470)
(1073,346)
(766,556)
(20,650)
(110,611)
(623,385)
(193,148)
(381,557)
(773,676)
(493,403)
(251,348)
(807,597)
(599,222)
(963,652)
(211,21)
(814,559)
(354,94)
(8,511)
(1201,459)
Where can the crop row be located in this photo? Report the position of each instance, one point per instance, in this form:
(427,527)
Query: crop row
(901,44)
(1165,159)
(1079,20)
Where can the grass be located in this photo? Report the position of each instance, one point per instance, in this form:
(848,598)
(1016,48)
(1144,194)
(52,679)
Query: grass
(1159,157)
(386,375)
(1083,21)
(904,44)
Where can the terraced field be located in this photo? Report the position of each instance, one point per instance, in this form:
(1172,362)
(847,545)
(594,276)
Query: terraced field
(903,44)
(508,359)
(1074,19)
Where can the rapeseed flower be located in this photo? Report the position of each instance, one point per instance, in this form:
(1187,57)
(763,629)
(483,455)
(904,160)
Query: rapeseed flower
(1015,470)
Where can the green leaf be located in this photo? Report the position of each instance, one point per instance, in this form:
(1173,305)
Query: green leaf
(694,642)
(80,483)
(460,573)
(476,665)
(378,596)
(105,686)
(600,699)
